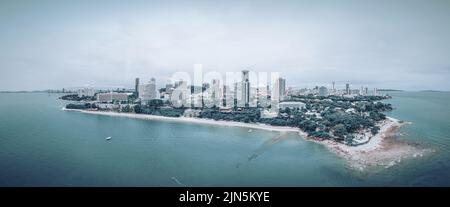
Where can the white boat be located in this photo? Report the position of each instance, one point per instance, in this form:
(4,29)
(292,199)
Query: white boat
(250,130)
(108,138)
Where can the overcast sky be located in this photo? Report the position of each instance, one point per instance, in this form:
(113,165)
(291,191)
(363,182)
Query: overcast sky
(384,44)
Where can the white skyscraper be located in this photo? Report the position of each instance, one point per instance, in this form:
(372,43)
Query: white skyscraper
(279,89)
(148,91)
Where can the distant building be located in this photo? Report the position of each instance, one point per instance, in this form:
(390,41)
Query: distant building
(169,87)
(148,91)
(279,90)
(111,97)
(181,94)
(323,91)
(291,105)
(245,87)
(86,92)
(347,89)
(136,87)
(107,106)
(227,97)
(282,88)
(180,83)
(354,91)
(216,93)
(262,97)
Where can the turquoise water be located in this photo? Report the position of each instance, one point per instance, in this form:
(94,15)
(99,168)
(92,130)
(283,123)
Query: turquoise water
(41,145)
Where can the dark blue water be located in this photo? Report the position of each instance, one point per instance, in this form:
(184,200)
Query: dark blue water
(41,145)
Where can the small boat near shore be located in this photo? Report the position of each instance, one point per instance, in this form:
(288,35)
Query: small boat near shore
(108,138)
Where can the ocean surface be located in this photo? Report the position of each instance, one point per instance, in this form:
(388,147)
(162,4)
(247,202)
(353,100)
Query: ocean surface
(41,145)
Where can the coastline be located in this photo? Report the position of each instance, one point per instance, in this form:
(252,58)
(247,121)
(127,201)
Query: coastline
(192,120)
(380,149)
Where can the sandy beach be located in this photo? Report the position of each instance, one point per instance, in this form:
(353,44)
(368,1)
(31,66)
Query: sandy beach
(192,120)
(381,149)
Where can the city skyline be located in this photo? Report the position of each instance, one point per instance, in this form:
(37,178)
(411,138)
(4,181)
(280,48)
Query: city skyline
(51,45)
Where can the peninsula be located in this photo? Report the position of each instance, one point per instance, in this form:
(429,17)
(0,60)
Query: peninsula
(350,123)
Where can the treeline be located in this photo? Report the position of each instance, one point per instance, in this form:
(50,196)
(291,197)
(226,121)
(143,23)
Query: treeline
(247,115)
(341,98)
(81,106)
(326,122)
(154,107)
(74,97)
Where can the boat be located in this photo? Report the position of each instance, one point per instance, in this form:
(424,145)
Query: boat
(250,130)
(108,138)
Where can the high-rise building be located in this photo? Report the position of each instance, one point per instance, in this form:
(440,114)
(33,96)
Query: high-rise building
(111,97)
(226,95)
(282,88)
(275,95)
(216,92)
(136,87)
(181,94)
(323,91)
(245,75)
(86,92)
(347,88)
(169,87)
(333,86)
(179,83)
(148,91)
(245,87)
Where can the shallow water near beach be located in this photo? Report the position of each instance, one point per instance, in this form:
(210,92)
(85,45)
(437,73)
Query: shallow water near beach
(41,145)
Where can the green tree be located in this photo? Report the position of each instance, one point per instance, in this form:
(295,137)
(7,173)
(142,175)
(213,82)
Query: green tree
(340,131)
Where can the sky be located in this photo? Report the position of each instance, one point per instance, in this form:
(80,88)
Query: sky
(98,43)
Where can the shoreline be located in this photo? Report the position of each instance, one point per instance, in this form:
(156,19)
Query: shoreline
(387,127)
(191,120)
(380,149)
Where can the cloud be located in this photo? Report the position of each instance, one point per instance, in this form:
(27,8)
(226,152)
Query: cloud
(401,44)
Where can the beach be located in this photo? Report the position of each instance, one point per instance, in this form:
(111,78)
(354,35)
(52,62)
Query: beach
(192,120)
(381,149)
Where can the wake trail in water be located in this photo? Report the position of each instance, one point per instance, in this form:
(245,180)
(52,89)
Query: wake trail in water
(178,182)
(266,145)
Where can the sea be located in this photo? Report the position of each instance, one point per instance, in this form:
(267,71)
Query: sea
(42,145)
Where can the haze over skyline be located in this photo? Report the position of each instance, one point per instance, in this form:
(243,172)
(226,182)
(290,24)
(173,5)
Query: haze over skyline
(384,44)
